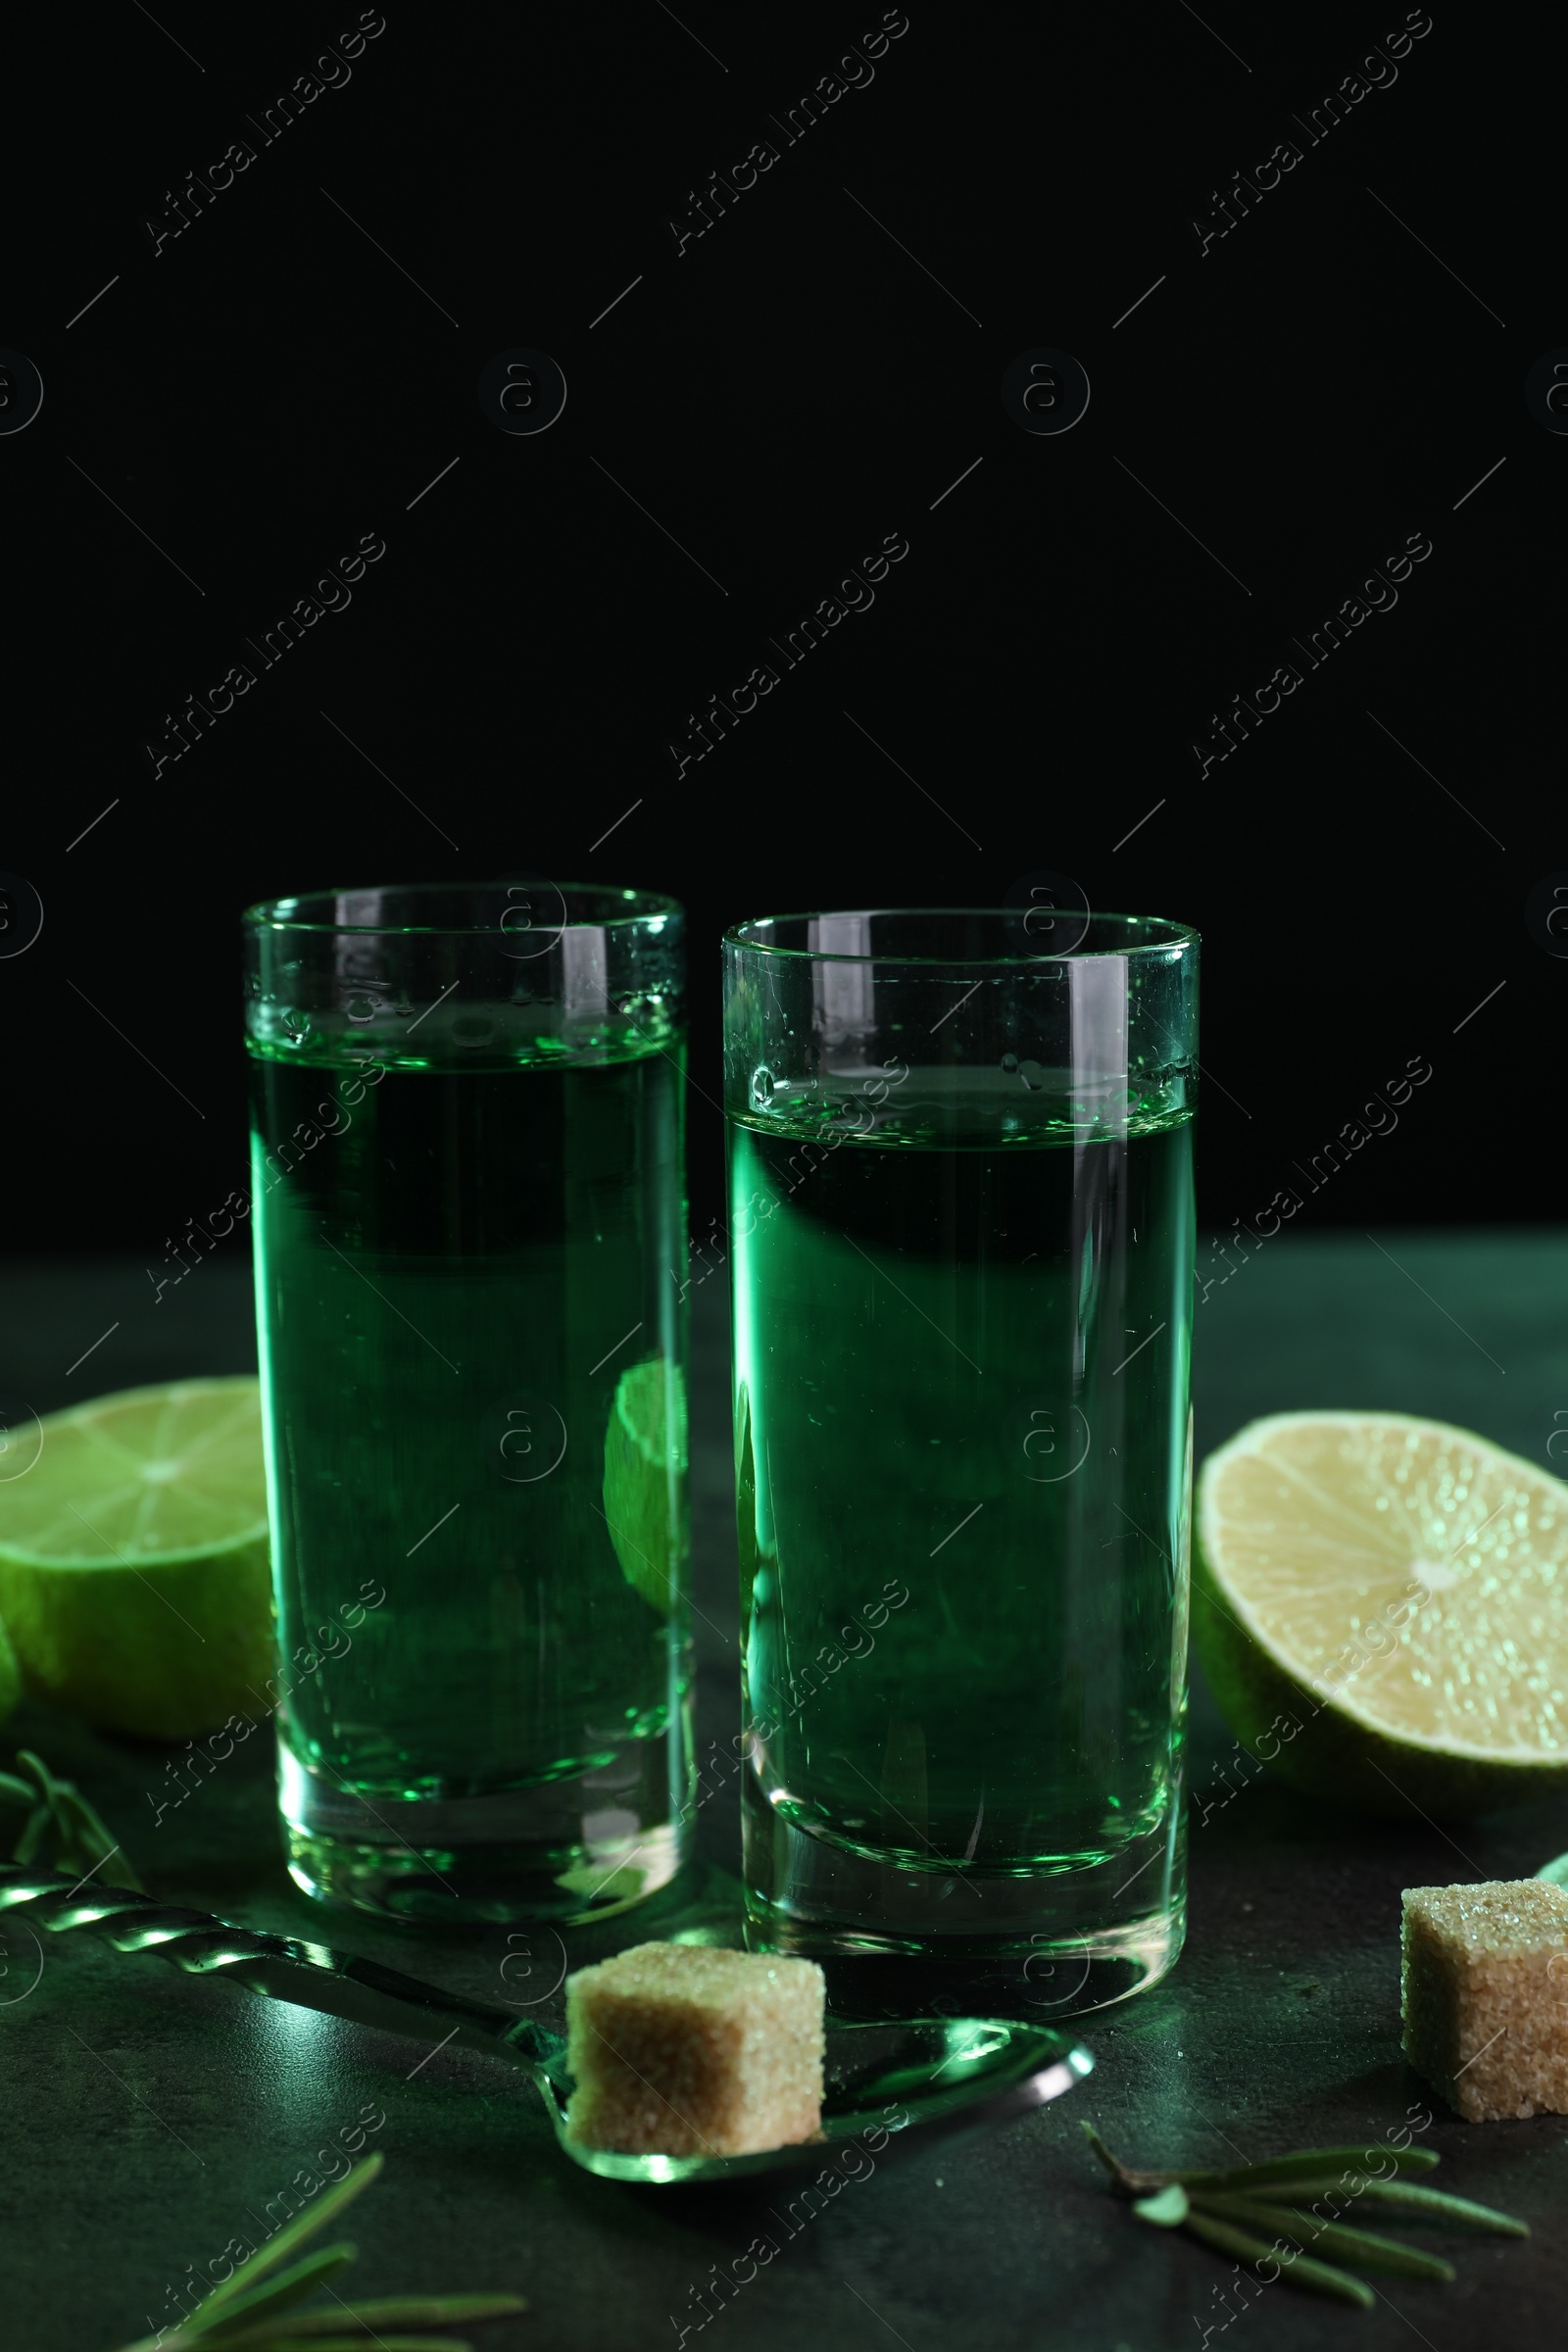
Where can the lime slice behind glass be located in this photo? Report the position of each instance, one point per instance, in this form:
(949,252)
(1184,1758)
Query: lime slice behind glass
(134,1570)
(1381,1607)
(9,1676)
(645,1479)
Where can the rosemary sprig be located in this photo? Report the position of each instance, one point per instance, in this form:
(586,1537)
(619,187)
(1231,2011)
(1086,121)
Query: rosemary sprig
(1257,2212)
(1320,2276)
(1406,2196)
(59,1814)
(400,2311)
(1330,2163)
(243,2315)
(1306,2230)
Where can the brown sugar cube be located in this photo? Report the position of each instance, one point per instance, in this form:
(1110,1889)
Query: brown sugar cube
(1484,1995)
(681,2050)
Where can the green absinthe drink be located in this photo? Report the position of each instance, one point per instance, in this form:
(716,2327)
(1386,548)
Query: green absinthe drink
(961,1235)
(467,1126)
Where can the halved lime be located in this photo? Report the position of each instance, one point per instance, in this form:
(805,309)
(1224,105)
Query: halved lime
(134,1567)
(1381,1606)
(645,1479)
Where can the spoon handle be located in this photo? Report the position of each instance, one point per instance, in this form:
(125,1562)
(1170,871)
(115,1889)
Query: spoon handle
(278,1968)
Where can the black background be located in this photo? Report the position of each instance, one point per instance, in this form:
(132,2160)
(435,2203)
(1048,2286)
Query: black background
(793,386)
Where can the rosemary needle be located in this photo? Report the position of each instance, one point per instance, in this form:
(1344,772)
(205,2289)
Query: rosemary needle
(243,2315)
(402,2311)
(62,1815)
(1404,2196)
(1299,2269)
(1254,2213)
(1312,2163)
(1304,2230)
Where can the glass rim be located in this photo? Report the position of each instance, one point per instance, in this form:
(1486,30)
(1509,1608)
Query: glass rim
(1179,936)
(271,914)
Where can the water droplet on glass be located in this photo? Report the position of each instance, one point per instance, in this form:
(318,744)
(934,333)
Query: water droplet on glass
(763,1087)
(361,1008)
(1009,1061)
(1033,1076)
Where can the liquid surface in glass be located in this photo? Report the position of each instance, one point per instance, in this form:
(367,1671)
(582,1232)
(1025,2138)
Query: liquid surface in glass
(472,1367)
(962,1333)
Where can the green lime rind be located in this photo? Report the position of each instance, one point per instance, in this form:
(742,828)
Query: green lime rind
(179,1647)
(1313,1743)
(143,1601)
(1332,1755)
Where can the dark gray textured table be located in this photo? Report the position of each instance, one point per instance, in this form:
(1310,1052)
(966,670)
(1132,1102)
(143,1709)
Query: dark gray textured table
(148,2116)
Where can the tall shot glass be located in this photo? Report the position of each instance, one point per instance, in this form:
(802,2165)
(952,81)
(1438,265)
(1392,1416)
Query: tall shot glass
(466,1123)
(962,1239)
